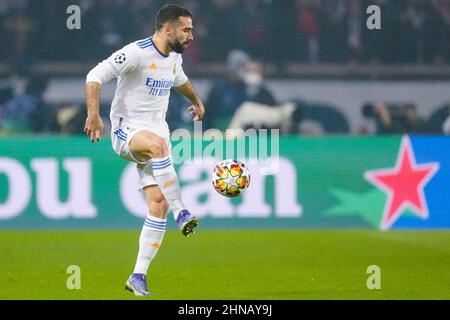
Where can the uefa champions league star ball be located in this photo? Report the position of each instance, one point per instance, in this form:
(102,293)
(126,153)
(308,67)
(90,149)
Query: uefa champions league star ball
(230,178)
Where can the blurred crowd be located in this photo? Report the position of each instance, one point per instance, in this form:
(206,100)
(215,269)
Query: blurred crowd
(239,100)
(243,35)
(413,31)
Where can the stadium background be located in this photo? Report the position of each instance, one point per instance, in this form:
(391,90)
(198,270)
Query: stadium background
(347,100)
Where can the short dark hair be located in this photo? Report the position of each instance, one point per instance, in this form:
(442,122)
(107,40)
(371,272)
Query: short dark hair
(170,13)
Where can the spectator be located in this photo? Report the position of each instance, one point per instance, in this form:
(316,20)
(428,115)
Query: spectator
(355,31)
(141,10)
(256,116)
(224,19)
(256,90)
(292,117)
(381,45)
(394,119)
(414,123)
(6,93)
(29,112)
(281,29)
(194,54)
(108,24)
(18,24)
(333,31)
(71,119)
(308,26)
(316,30)
(438,45)
(255,17)
(228,94)
(313,118)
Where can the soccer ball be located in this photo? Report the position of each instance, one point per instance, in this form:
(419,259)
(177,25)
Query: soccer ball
(230,178)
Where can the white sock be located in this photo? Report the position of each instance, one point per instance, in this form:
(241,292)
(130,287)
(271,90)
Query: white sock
(167,179)
(149,242)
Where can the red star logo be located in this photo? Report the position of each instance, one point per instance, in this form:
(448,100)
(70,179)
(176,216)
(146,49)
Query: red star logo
(404,185)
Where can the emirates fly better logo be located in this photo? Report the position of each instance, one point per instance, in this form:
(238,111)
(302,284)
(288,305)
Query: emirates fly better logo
(404,185)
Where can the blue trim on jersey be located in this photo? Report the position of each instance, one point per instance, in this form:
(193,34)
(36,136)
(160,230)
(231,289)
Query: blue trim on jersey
(162,54)
(148,43)
(121,135)
(144,43)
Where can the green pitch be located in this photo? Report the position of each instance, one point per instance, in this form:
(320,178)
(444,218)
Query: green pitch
(263,264)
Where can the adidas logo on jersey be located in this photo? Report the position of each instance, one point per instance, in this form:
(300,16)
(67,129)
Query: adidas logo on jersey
(153,66)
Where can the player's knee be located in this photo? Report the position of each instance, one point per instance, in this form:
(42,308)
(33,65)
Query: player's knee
(158,148)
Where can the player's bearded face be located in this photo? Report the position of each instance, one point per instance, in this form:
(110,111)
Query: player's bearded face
(181,35)
(177,45)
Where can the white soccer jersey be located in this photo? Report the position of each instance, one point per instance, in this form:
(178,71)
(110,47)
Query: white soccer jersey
(144,79)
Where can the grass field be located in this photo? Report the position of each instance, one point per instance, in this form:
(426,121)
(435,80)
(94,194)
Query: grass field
(263,264)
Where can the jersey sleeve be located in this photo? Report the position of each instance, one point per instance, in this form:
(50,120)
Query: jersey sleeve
(180,76)
(120,62)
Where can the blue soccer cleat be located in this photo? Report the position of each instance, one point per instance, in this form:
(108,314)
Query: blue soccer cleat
(137,284)
(186,223)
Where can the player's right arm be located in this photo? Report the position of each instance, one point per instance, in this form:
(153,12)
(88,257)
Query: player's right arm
(94,123)
(120,62)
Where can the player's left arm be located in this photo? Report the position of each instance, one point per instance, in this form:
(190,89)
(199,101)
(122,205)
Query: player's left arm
(197,108)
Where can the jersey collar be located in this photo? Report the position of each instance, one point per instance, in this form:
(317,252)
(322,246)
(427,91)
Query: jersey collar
(156,48)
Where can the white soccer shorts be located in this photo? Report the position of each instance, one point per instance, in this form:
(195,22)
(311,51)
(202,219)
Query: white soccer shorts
(121,136)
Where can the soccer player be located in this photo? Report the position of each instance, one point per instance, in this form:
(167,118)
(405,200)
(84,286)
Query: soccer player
(146,71)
